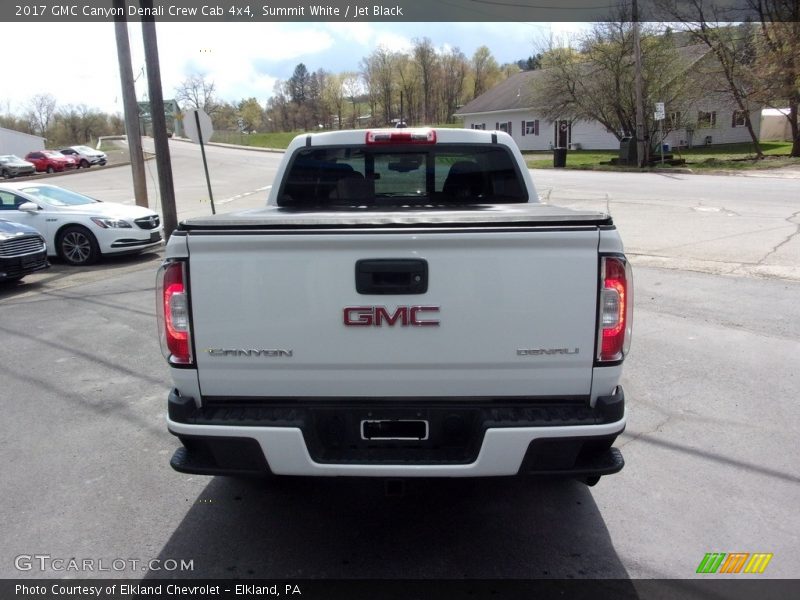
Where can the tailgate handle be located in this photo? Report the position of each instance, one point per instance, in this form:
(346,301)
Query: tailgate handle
(392,276)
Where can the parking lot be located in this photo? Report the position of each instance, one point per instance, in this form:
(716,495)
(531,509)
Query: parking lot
(712,459)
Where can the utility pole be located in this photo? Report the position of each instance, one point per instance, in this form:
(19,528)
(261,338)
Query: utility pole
(641,147)
(129,105)
(159,122)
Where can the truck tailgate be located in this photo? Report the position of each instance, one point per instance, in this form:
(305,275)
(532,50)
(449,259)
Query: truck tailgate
(516,306)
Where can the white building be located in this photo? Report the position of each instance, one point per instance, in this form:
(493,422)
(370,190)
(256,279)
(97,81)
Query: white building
(775,125)
(510,106)
(16,142)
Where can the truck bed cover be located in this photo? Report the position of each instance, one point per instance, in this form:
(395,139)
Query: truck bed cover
(484,215)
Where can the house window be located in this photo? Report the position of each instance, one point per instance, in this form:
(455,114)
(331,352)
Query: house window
(503,127)
(675,120)
(479,125)
(530,127)
(706,120)
(738,119)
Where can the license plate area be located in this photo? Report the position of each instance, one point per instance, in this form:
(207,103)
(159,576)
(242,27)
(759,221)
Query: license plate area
(394,429)
(155,236)
(30,261)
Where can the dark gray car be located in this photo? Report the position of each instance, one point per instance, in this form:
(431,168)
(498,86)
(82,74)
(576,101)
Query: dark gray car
(13,166)
(22,251)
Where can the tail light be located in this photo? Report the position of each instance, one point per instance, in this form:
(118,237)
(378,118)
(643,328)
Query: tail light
(401,136)
(615,320)
(172,308)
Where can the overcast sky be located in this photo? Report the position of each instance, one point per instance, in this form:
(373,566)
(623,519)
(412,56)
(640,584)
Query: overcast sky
(77,62)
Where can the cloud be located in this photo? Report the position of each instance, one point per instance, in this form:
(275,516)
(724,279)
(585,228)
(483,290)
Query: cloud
(243,59)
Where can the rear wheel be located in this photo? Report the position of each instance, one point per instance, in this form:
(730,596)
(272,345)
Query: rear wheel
(50,169)
(6,174)
(77,246)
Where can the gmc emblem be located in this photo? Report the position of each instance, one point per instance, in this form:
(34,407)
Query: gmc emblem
(377,316)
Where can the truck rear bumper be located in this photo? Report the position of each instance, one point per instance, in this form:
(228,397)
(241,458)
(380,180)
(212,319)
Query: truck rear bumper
(547,439)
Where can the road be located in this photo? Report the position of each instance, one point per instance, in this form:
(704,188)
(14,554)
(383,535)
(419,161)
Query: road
(707,223)
(713,463)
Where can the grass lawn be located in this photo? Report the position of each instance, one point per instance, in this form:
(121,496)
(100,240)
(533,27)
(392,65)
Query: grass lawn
(721,157)
(271,140)
(260,140)
(709,158)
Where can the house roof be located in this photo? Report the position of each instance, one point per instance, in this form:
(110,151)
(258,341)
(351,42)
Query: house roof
(518,91)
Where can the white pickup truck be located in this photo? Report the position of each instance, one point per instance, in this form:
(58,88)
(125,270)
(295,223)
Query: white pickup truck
(403,306)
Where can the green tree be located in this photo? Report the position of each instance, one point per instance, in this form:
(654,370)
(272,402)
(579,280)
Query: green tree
(298,83)
(250,114)
(485,71)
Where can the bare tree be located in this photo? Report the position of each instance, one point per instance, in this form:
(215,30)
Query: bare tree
(454,72)
(41,109)
(333,94)
(732,49)
(378,73)
(427,62)
(198,93)
(778,58)
(351,87)
(760,61)
(408,74)
(595,81)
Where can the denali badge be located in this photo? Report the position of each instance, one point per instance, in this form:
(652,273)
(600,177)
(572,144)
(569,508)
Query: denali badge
(545,351)
(364,316)
(249,352)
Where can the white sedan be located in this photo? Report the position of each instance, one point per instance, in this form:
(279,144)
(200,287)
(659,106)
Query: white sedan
(78,228)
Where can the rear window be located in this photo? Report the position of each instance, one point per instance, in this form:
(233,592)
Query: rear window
(413,175)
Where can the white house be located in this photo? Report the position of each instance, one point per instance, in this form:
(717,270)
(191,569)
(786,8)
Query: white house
(710,121)
(510,106)
(16,142)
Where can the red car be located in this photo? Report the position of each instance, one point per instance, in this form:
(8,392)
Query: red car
(50,161)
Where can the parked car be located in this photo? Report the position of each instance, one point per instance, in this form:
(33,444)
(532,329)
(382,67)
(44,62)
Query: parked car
(76,227)
(13,166)
(50,161)
(22,251)
(85,156)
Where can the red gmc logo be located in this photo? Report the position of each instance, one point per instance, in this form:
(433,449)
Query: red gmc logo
(364,316)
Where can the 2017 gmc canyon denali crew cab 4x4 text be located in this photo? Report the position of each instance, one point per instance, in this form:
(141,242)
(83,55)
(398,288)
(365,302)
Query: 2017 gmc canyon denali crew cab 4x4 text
(404,306)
